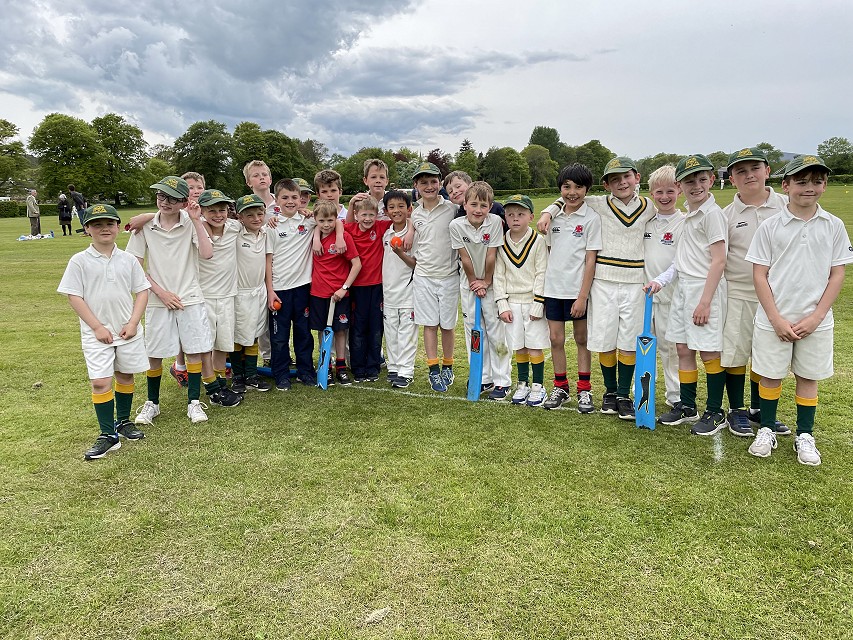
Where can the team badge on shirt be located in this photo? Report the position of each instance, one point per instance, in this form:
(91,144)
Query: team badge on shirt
(373,235)
(578,232)
(332,250)
(342,318)
(301,230)
(486,238)
(666,238)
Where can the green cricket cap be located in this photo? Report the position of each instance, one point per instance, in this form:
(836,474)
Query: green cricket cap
(619,164)
(749,153)
(98,212)
(210,197)
(304,185)
(801,163)
(520,200)
(426,168)
(247,202)
(692,164)
(173,186)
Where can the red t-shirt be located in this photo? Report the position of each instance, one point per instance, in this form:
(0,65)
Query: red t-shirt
(370,250)
(331,269)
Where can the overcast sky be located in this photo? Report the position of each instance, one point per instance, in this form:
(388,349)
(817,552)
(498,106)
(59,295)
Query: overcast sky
(642,77)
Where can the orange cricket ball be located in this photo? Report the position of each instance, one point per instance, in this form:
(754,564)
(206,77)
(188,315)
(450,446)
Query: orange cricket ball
(276,304)
(396,241)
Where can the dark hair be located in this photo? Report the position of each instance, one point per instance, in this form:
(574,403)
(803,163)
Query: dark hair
(285,184)
(397,195)
(71,187)
(577,173)
(808,173)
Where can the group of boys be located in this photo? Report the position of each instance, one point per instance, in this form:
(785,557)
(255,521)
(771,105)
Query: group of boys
(384,268)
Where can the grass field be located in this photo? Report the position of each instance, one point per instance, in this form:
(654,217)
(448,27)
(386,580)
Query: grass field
(300,514)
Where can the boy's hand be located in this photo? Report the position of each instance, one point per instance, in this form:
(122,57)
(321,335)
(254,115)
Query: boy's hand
(652,288)
(806,326)
(136,223)
(506,316)
(784,329)
(307,213)
(356,199)
(341,246)
(128,331)
(272,223)
(477,284)
(544,222)
(271,300)
(339,295)
(103,335)
(701,314)
(171,300)
(193,209)
(578,308)
(317,246)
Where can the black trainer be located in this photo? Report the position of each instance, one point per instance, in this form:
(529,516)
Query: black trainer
(344,378)
(625,408)
(401,382)
(238,384)
(739,424)
(392,375)
(608,404)
(103,445)
(225,398)
(710,423)
(283,384)
(126,429)
(256,383)
(678,415)
(780,429)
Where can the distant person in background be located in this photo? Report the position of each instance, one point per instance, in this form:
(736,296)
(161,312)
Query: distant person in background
(78,202)
(33,213)
(64,209)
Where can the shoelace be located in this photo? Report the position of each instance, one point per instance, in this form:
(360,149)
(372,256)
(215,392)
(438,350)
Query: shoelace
(806,444)
(765,437)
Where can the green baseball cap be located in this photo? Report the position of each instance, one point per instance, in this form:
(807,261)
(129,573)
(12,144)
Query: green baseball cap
(173,186)
(749,153)
(426,168)
(801,163)
(619,164)
(304,185)
(521,201)
(692,164)
(210,197)
(98,212)
(247,202)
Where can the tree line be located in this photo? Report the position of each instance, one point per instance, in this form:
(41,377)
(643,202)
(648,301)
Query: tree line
(109,158)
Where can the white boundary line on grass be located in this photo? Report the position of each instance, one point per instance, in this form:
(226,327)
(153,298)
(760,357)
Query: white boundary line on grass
(412,394)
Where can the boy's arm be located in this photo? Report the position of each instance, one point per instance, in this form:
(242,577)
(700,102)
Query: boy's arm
(409,238)
(467,266)
(499,289)
(807,325)
(129,329)
(316,245)
(489,273)
(355,267)
(579,306)
(205,247)
(718,264)
(351,206)
(537,309)
(86,315)
(271,297)
(544,222)
(781,326)
(171,300)
(405,257)
(136,223)
(340,243)
(660,281)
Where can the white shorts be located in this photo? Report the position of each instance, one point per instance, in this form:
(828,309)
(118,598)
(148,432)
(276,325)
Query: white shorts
(681,330)
(103,360)
(737,332)
(614,316)
(250,312)
(524,333)
(436,301)
(168,331)
(220,317)
(809,358)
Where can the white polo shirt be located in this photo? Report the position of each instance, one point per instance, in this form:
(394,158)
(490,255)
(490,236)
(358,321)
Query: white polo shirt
(171,258)
(477,240)
(702,228)
(659,241)
(105,284)
(800,255)
(290,246)
(569,237)
(436,258)
(397,276)
(743,221)
(218,276)
(251,258)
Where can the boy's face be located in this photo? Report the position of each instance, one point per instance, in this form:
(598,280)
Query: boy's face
(518,218)
(697,187)
(622,185)
(456,189)
(428,186)
(326,223)
(665,197)
(103,231)
(476,210)
(288,202)
(749,176)
(804,189)
(398,211)
(216,214)
(169,205)
(365,218)
(196,187)
(330,191)
(573,194)
(259,179)
(252,218)
(304,199)
(376,180)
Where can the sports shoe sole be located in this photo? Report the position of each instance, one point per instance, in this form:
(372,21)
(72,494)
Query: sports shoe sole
(710,433)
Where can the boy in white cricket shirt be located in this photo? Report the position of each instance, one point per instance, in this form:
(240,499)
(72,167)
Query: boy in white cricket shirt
(519,285)
(100,283)
(477,237)
(799,256)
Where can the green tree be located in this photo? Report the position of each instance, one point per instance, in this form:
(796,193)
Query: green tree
(124,157)
(205,147)
(505,168)
(406,171)
(352,169)
(549,138)
(837,153)
(649,164)
(441,160)
(543,170)
(13,157)
(162,151)
(155,169)
(280,152)
(466,161)
(68,151)
(314,152)
(719,159)
(774,155)
(594,155)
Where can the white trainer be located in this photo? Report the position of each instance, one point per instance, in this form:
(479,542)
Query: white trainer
(764,443)
(195,411)
(806,449)
(537,395)
(521,393)
(147,412)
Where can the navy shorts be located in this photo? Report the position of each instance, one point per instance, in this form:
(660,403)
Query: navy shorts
(318,313)
(560,310)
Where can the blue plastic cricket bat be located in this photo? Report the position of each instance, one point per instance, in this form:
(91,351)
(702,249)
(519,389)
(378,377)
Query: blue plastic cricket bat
(645,374)
(475,369)
(326,350)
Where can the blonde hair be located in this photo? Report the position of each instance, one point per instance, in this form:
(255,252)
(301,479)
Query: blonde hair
(254,163)
(325,208)
(481,191)
(194,175)
(367,204)
(375,162)
(327,176)
(662,175)
(464,177)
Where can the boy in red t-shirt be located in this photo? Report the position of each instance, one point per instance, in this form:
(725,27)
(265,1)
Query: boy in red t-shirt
(365,341)
(331,280)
